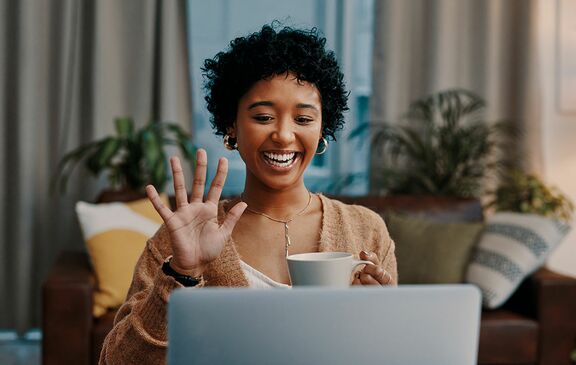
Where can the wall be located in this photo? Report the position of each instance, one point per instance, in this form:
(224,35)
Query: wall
(559,126)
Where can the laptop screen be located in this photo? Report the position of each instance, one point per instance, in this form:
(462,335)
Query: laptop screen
(430,324)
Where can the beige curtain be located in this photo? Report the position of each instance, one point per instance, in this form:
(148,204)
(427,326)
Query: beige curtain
(67,68)
(486,46)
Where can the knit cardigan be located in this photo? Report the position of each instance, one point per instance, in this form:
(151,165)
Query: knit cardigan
(139,335)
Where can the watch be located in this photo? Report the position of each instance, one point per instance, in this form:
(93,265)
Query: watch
(186,280)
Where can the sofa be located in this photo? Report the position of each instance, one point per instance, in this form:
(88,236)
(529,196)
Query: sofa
(537,325)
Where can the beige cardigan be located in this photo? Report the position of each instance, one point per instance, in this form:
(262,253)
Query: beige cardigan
(139,333)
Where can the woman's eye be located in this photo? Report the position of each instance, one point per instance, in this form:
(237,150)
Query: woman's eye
(304,120)
(263,118)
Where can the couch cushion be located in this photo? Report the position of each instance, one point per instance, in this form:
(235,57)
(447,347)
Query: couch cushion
(512,246)
(115,234)
(430,252)
(507,338)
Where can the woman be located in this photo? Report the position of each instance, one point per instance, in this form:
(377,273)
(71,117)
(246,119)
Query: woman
(275,96)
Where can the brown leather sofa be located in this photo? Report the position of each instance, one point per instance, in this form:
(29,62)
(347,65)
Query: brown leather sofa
(536,326)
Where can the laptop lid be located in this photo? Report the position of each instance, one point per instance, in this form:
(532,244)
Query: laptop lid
(430,324)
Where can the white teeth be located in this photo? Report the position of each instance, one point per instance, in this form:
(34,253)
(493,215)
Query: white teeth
(280,160)
(285,157)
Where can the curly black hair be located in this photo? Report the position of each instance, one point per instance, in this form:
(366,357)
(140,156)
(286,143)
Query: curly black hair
(268,53)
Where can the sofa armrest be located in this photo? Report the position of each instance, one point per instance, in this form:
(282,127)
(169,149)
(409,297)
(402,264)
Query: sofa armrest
(67,310)
(556,313)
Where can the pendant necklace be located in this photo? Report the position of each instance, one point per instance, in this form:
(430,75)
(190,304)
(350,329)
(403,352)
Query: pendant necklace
(288,243)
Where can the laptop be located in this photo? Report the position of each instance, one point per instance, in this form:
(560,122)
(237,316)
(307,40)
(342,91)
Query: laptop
(427,324)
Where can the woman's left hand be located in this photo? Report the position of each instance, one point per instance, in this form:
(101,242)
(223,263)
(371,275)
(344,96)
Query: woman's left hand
(372,274)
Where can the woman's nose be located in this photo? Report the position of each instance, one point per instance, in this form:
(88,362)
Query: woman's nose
(283,133)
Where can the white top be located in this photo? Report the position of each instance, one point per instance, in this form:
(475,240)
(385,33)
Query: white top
(258,280)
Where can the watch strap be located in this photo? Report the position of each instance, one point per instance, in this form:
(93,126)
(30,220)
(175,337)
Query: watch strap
(186,280)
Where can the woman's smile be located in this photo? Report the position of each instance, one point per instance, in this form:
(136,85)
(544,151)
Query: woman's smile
(281,161)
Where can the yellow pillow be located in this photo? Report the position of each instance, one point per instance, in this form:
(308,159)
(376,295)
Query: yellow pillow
(115,235)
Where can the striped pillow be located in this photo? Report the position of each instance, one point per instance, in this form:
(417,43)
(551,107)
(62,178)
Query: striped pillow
(511,247)
(115,236)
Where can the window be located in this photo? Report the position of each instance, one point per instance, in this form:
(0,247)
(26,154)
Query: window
(348,29)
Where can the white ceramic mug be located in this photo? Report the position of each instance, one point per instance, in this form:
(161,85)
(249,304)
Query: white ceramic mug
(333,269)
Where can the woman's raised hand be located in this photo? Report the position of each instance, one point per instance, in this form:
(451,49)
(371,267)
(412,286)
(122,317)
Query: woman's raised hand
(197,237)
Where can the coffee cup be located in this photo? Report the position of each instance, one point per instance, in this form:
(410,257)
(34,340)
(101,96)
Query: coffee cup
(332,269)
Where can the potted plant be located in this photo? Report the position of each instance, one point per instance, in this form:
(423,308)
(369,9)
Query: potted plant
(442,146)
(131,159)
(527,193)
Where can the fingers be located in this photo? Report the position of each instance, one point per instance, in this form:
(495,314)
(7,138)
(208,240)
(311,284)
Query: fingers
(154,198)
(199,181)
(374,270)
(378,273)
(218,182)
(367,279)
(361,278)
(373,274)
(232,217)
(199,177)
(370,256)
(377,277)
(179,185)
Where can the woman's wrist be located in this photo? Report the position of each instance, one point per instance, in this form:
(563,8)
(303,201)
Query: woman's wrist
(195,271)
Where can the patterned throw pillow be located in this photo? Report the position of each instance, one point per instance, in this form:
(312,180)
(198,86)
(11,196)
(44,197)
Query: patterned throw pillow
(115,236)
(512,246)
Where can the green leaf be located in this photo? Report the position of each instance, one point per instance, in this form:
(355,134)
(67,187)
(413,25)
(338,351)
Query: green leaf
(101,158)
(153,155)
(152,147)
(160,174)
(124,127)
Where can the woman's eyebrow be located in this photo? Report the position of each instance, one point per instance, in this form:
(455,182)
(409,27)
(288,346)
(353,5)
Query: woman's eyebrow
(306,106)
(269,103)
(260,103)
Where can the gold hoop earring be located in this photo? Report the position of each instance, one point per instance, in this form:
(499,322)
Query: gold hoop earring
(230,143)
(324,141)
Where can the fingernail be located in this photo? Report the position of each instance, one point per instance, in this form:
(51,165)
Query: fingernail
(365,253)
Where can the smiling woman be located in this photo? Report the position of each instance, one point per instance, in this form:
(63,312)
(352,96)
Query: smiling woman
(274,95)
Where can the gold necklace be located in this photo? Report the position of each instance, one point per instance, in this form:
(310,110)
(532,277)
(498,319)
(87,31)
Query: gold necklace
(288,243)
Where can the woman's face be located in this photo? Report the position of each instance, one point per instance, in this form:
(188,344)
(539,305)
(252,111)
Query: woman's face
(278,126)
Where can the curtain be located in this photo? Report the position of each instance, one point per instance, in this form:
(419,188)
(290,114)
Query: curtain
(485,46)
(67,68)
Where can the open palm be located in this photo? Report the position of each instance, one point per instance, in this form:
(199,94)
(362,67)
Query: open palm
(197,237)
